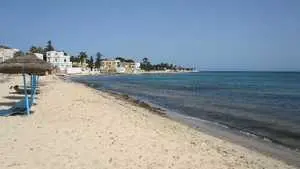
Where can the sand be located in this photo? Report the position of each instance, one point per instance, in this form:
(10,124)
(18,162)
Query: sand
(74,126)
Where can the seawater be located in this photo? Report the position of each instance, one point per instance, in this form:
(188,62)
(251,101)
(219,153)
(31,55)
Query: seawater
(265,104)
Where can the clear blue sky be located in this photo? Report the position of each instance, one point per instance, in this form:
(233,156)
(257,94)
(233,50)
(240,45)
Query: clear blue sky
(211,34)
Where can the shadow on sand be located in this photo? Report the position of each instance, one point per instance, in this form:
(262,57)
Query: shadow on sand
(14,97)
(7,103)
(16,108)
(14,112)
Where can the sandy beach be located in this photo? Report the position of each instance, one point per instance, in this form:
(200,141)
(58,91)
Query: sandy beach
(74,126)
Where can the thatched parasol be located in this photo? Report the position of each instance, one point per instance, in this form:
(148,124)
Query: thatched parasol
(29,64)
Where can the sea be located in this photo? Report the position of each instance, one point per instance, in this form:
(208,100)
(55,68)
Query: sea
(262,104)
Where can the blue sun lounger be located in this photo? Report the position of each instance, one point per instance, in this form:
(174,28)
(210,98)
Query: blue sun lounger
(24,106)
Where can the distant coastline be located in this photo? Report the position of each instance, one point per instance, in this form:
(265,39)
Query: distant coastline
(137,73)
(158,71)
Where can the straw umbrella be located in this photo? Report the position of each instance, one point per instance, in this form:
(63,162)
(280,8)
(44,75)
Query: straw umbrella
(28,64)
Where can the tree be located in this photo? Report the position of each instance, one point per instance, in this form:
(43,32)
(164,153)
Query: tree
(72,59)
(98,54)
(146,65)
(34,49)
(120,59)
(98,60)
(91,63)
(19,53)
(40,50)
(129,61)
(145,60)
(49,46)
(75,60)
(175,67)
(82,57)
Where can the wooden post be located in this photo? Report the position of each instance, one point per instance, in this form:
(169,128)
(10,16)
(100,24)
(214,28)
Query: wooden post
(26,96)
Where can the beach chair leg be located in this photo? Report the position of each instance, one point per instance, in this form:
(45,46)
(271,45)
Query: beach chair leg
(26,96)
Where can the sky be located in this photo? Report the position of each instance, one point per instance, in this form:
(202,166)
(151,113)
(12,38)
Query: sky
(205,34)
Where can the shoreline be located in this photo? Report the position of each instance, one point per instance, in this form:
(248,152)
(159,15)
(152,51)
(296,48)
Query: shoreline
(248,140)
(137,73)
(104,131)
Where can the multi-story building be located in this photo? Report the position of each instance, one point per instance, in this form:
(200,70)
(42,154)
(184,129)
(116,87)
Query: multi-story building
(59,60)
(6,53)
(116,66)
(131,67)
(110,66)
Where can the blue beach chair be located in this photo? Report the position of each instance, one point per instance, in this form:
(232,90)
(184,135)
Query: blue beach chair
(24,106)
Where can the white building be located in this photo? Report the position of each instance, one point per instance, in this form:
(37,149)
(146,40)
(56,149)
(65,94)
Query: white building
(121,69)
(137,67)
(7,53)
(74,70)
(59,60)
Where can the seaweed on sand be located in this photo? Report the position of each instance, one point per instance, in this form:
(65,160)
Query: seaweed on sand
(143,104)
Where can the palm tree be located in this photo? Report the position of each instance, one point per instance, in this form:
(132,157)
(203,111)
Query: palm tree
(82,57)
(91,63)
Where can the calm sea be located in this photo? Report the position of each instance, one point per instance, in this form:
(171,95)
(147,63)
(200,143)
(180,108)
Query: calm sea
(266,104)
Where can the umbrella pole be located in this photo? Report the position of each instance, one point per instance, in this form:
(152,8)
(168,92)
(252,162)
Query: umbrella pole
(37,80)
(32,89)
(35,87)
(26,96)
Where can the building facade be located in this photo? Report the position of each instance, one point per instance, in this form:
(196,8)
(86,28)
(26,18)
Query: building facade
(116,66)
(7,53)
(110,66)
(59,60)
(131,67)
